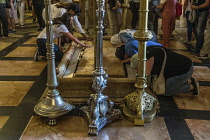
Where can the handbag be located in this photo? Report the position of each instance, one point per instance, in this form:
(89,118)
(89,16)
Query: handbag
(178,9)
(8,4)
(157,83)
(192,16)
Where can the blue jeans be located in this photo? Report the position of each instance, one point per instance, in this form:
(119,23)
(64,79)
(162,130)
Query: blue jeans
(190,26)
(178,84)
(200,28)
(41,43)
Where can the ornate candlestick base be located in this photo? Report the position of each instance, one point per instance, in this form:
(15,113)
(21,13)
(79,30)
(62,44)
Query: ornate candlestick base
(140,107)
(99,113)
(53,107)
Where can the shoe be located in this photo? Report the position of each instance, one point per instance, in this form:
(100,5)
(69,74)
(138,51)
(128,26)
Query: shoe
(187,42)
(40,29)
(201,56)
(195,51)
(11,31)
(195,84)
(22,26)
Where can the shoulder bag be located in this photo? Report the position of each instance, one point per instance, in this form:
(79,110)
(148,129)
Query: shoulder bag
(157,83)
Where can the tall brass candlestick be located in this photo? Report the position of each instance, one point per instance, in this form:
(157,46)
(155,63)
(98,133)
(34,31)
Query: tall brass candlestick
(139,106)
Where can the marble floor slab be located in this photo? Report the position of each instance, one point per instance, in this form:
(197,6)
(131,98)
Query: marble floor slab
(189,101)
(3,120)
(18,68)
(5,42)
(202,73)
(177,45)
(187,54)
(12,92)
(75,128)
(200,129)
(31,41)
(174,44)
(22,52)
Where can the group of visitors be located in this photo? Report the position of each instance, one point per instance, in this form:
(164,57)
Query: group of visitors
(177,69)
(198,27)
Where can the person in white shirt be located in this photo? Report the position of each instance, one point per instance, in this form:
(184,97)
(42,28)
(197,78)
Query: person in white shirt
(58,10)
(58,31)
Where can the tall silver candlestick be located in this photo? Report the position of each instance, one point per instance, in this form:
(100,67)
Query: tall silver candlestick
(99,111)
(53,105)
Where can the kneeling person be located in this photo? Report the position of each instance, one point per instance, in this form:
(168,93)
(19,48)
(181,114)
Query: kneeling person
(178,70)
(58,30)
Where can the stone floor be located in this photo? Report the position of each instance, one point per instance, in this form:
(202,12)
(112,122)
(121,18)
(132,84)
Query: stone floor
(23,82)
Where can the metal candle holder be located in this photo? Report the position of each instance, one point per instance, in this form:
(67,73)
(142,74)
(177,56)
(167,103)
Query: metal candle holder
(53,105)
(139,106)
(99,111)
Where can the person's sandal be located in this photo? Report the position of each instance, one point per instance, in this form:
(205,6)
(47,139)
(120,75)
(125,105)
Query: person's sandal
(195,84)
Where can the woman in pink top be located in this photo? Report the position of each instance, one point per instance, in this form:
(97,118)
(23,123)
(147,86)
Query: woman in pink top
(168,8)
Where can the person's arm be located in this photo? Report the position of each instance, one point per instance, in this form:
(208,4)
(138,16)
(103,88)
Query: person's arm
(149,65)
(160,6)
(184,8)
(70,36)
(204,5)
(78,27)
(119,45)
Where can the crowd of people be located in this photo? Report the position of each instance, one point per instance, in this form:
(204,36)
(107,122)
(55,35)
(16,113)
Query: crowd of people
(177,68)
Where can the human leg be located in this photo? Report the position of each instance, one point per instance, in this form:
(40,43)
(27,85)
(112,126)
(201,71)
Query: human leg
(205,49)
(3,19)
(21,8)
(118,16)
(178,84)
(112,21)
(134,7)
(166,28)
(200,27)
(38,8)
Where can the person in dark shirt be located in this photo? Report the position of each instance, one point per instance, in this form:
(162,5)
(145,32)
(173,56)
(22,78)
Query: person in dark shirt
(177,72)
(200,23)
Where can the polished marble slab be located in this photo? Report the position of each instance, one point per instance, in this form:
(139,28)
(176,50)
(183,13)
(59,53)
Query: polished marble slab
(31,41)
(76,127)
(3,120)
(12,92)
(199,128)
(22,52)
(189,101)
(202,73)
(18,68)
